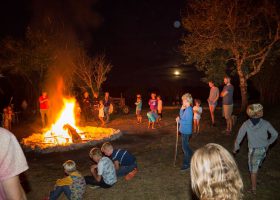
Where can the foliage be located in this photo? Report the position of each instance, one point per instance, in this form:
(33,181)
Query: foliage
(231,33)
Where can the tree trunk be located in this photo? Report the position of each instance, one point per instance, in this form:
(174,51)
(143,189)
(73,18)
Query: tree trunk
(243,90)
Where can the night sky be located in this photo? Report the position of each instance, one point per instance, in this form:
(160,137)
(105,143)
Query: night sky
(138,38)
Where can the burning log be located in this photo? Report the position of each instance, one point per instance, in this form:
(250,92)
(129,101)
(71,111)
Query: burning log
(76,138)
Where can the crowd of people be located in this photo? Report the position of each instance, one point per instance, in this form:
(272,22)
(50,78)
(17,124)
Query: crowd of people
(214,172)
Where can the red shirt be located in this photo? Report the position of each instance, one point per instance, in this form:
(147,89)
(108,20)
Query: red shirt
(45,104)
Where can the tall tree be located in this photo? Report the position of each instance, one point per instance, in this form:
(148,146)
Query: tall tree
(91,72)
(239,33)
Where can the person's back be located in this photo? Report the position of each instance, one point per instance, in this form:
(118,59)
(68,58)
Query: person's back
(78,186)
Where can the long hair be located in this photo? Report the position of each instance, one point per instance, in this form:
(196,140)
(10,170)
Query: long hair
(214,174)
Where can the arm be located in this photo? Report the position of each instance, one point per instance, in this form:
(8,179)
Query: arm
(93,170)
(239,138)
(117,164)
(224,93)
(64,181)
(273,132)
(13,189)
(217,96)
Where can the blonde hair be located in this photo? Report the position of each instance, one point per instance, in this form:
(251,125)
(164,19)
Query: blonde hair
(107,145)
(69,166)
(255,110)
(214,174)
(188,97)
(95,152)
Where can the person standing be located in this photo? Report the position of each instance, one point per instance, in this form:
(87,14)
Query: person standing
(213,100)
(107,102)
(86,107)
(95,106)
(12,163)
(227,95)
(44,108)
(185,119)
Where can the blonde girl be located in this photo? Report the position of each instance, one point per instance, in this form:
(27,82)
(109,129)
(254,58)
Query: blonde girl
(214,174)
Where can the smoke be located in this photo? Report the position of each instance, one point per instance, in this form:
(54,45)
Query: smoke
(67,26)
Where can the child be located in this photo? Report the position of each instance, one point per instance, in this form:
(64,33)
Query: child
(73,185)
(6,119)
(159,107)
(125,163)
(186,120)
(197,110)
(152,115)
(214,174)
(257,133)
(138,104)
(101,112)
(103,173)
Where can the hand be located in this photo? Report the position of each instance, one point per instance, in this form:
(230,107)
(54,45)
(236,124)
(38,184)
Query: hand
(183,107)
(234,152)
(177,119)
(93,167)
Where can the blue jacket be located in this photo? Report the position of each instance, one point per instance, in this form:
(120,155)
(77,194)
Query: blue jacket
(186,120)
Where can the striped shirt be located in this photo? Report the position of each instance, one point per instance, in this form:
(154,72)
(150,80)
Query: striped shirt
(124,157)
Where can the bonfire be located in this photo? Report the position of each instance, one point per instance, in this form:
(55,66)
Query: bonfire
(64,134)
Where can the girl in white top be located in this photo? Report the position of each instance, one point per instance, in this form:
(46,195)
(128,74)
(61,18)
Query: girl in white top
(159,107)
(101,112)
(197,110)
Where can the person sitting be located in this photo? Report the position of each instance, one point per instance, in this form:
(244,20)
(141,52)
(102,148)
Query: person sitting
(215,175)
(73,185)
(103,172)
(125,162)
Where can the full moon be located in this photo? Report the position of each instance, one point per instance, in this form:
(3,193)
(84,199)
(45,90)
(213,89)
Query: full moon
(176,73)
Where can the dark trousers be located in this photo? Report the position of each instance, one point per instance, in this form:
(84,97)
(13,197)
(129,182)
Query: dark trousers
(90,180)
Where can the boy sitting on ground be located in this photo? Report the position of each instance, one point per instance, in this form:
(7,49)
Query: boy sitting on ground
(103,173)
(73,185)
(125,163)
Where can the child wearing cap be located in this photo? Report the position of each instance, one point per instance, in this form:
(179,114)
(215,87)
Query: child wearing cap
(258,142)
(73,185)
(138,104)
(125,162)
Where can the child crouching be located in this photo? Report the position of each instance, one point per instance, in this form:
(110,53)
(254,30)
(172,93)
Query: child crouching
(73,185)
(125,163)
(103,173)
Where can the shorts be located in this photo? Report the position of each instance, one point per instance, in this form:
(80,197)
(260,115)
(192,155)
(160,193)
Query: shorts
(138,113)
(152,116)
(227,109)
(255,158)
(213,104)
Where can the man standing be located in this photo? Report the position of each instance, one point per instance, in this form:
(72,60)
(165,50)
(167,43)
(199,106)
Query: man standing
(213,100)
(12,163)
(95,106)
(44,108)
(227,95)
(86,107)
(107,102)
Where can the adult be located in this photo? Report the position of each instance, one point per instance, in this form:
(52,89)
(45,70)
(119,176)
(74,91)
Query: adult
(186,120)
(12,163)
(227,95)
(213,100)
(215,175)
(107,102)
(95,105)
(86,106)
(44,108)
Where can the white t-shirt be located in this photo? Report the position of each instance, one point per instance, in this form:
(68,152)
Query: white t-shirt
(12,159)
(106,169)
(197,115)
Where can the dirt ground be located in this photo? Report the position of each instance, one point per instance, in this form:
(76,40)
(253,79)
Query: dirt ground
(154,150)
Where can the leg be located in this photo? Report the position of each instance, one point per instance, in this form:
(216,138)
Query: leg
(197,125)
(187,151)
(124,170)
(58,191)
(254,181)
(212,110)
(42,112)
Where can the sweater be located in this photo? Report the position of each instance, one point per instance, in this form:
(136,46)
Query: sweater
(186,120)
(257,134)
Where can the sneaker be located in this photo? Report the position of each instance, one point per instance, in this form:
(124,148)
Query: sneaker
(131,174)
(94,187)
(184,168)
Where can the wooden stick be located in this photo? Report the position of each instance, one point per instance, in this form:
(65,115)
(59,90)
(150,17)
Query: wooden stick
(176,146)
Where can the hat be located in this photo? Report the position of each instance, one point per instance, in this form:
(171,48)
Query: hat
(255,110)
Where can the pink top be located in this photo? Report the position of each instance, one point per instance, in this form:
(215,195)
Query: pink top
(12,159)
